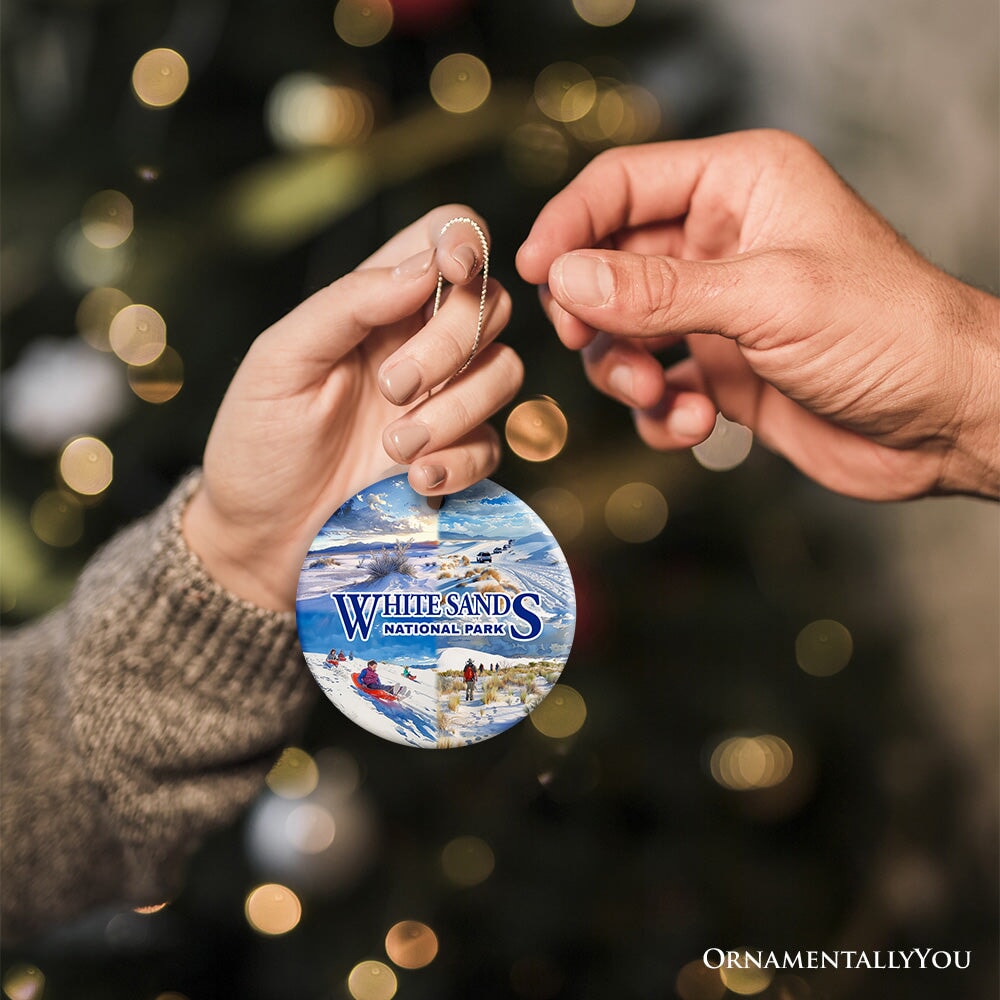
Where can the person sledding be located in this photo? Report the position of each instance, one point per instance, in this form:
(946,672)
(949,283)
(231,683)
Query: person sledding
(408,674)
(370,681)
(469,676)
(369,677)
(332,660)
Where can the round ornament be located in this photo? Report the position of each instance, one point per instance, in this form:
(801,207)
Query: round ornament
(435,627)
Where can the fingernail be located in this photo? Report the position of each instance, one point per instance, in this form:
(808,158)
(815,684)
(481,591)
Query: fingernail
(433,476)
(621,383)
(408,440)
(588,281)
(414,266)
(686,421)
(466,259)
(400,382)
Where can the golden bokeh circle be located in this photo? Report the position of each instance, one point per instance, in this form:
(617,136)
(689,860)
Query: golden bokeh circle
(467,861)
(138,334)
(57,519)
(603,13)
(823,648)
(636,512)
(537,429)
(696,981)
(160,380)
(295,774)
(460,83)
(741,763)
(561,713)
(746,982)
(362,23)
(160,78)
(86,466)
(372,981)
(273,909)
(411,944)
(310,828)
(107,219)
(565,91)
(24,982)
(96,311)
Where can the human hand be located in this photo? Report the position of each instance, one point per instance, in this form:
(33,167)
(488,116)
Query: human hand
(336,392)
(807,318)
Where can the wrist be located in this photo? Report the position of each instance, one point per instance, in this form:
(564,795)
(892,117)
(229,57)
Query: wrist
(972,464)
(232,559)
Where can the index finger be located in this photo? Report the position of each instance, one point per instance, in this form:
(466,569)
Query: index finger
(621,188)
(459,253)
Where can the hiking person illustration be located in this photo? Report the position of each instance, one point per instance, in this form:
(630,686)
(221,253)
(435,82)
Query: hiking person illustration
(469,676)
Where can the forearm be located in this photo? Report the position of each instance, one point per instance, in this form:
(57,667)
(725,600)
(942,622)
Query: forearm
(137,718)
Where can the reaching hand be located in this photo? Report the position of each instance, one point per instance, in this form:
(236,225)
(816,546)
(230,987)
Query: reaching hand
(807,318)
(352,381)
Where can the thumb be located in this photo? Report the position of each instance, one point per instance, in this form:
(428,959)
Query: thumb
(637,295)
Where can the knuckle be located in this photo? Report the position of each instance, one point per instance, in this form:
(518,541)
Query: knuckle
(651,292)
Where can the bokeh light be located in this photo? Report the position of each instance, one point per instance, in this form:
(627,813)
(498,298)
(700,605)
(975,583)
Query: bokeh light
(726,447)
(57,519)
(561,510)
(636,512)
(160,78)
(620,114)
(537,153)
(307,110)
(562,713)
(273,909)
(823,648)
(310,828)
(741,763)
(746,982)
(372,981)
(171,995)
(24,982)
(460,83)
(86,466)
(294,776)
(362,22)
(411,944)
(696,981)
(107,219)
(96,311)
(138,334)
(160,380)
(603,13)
(467,861)
(537,429)
(565,91)
(339,771)
(83,265)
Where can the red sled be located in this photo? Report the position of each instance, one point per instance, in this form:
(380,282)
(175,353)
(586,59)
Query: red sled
(374,692)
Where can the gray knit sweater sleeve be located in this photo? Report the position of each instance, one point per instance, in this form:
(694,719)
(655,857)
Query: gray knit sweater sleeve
(140,715)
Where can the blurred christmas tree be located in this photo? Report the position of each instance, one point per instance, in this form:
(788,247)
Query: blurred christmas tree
(181,174)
